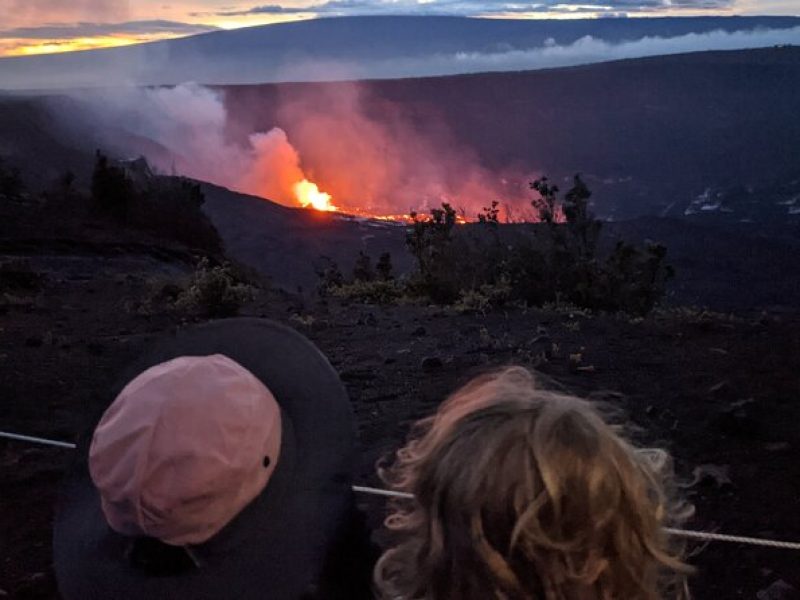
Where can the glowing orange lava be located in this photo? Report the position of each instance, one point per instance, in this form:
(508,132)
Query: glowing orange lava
(308,195)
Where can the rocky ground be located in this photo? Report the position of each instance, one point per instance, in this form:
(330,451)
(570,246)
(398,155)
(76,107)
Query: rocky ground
(721,391)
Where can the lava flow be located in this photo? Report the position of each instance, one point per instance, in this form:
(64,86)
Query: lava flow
(381,184)
(309,196)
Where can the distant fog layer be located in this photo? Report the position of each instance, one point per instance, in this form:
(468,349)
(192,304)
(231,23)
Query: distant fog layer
(390,47)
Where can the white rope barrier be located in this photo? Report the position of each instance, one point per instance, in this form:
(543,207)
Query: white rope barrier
(360,489)
(734,539)
(36,440)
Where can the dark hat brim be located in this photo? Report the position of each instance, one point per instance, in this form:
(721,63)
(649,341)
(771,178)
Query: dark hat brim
(276,547)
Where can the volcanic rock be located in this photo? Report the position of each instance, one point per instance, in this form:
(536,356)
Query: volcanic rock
(779,590)
(34,341)
(431,363)
(737,421)
(717,474)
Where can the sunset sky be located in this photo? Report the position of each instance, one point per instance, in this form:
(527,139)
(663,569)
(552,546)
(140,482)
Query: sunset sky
(43,26)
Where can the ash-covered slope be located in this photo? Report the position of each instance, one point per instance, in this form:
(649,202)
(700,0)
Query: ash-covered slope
(723,267)
(287,244)
(389,46)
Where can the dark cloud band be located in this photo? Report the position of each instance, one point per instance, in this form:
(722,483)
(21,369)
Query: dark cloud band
(478,7)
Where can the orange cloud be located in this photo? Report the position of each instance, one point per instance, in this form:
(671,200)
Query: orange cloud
(25,13)
(21,47)
(46,39)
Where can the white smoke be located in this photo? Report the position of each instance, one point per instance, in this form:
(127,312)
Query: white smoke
(387,165)
(591,50)
(276,167)
(183,130)
(586,50)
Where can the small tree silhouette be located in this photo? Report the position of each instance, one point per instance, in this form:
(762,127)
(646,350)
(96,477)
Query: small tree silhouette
(429,240)
(630,279)
(362,271)
(490,214)
(329,275)
(546,205)
(112,191)
(384,267)
(66,184)
(10,180)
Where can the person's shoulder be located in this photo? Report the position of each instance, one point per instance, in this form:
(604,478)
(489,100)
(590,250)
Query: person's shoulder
(347,574)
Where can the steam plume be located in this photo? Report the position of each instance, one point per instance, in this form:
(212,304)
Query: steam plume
(376,164)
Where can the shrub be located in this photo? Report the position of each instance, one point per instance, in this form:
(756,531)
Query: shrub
(215,292)
(112,191)
(171,207)
(487,297)
(546,205)
(369,292)
(635,279)
(451,260)
(384,268)
(430,242)
(168,207)
(161,293)
(10,180)
(561,261)
(482,266)
(372,286)
(17,274)
(490,214)
(329,275)
(362,271)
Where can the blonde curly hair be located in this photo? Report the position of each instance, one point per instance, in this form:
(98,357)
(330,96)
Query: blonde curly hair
(526,494)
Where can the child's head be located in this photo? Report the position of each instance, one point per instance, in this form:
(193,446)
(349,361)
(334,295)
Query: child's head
(523,493)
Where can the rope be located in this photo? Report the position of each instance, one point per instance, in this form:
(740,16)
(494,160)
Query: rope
(36,440)
(734,539)
(360,489)
(699,535)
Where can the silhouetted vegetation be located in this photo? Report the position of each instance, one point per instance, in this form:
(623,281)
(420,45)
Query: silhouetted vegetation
(452,260)
(555,261)
(168,207)
(17,275)
(490,214)
(372,286)
(370,292)
(563,253)
(10,180)
(215,291)
(329,275)
(363,271)
(384,268)
(112,189)
(171,207)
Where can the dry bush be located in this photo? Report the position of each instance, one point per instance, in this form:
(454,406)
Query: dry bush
(214,291)
(369,292)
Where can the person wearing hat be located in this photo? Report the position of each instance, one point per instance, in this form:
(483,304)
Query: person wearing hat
(221,470)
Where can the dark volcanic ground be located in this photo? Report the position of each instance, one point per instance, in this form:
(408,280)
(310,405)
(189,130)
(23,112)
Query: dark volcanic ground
(720,391)
(725,266)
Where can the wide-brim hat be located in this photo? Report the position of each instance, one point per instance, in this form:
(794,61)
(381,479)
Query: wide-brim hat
(276,547)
